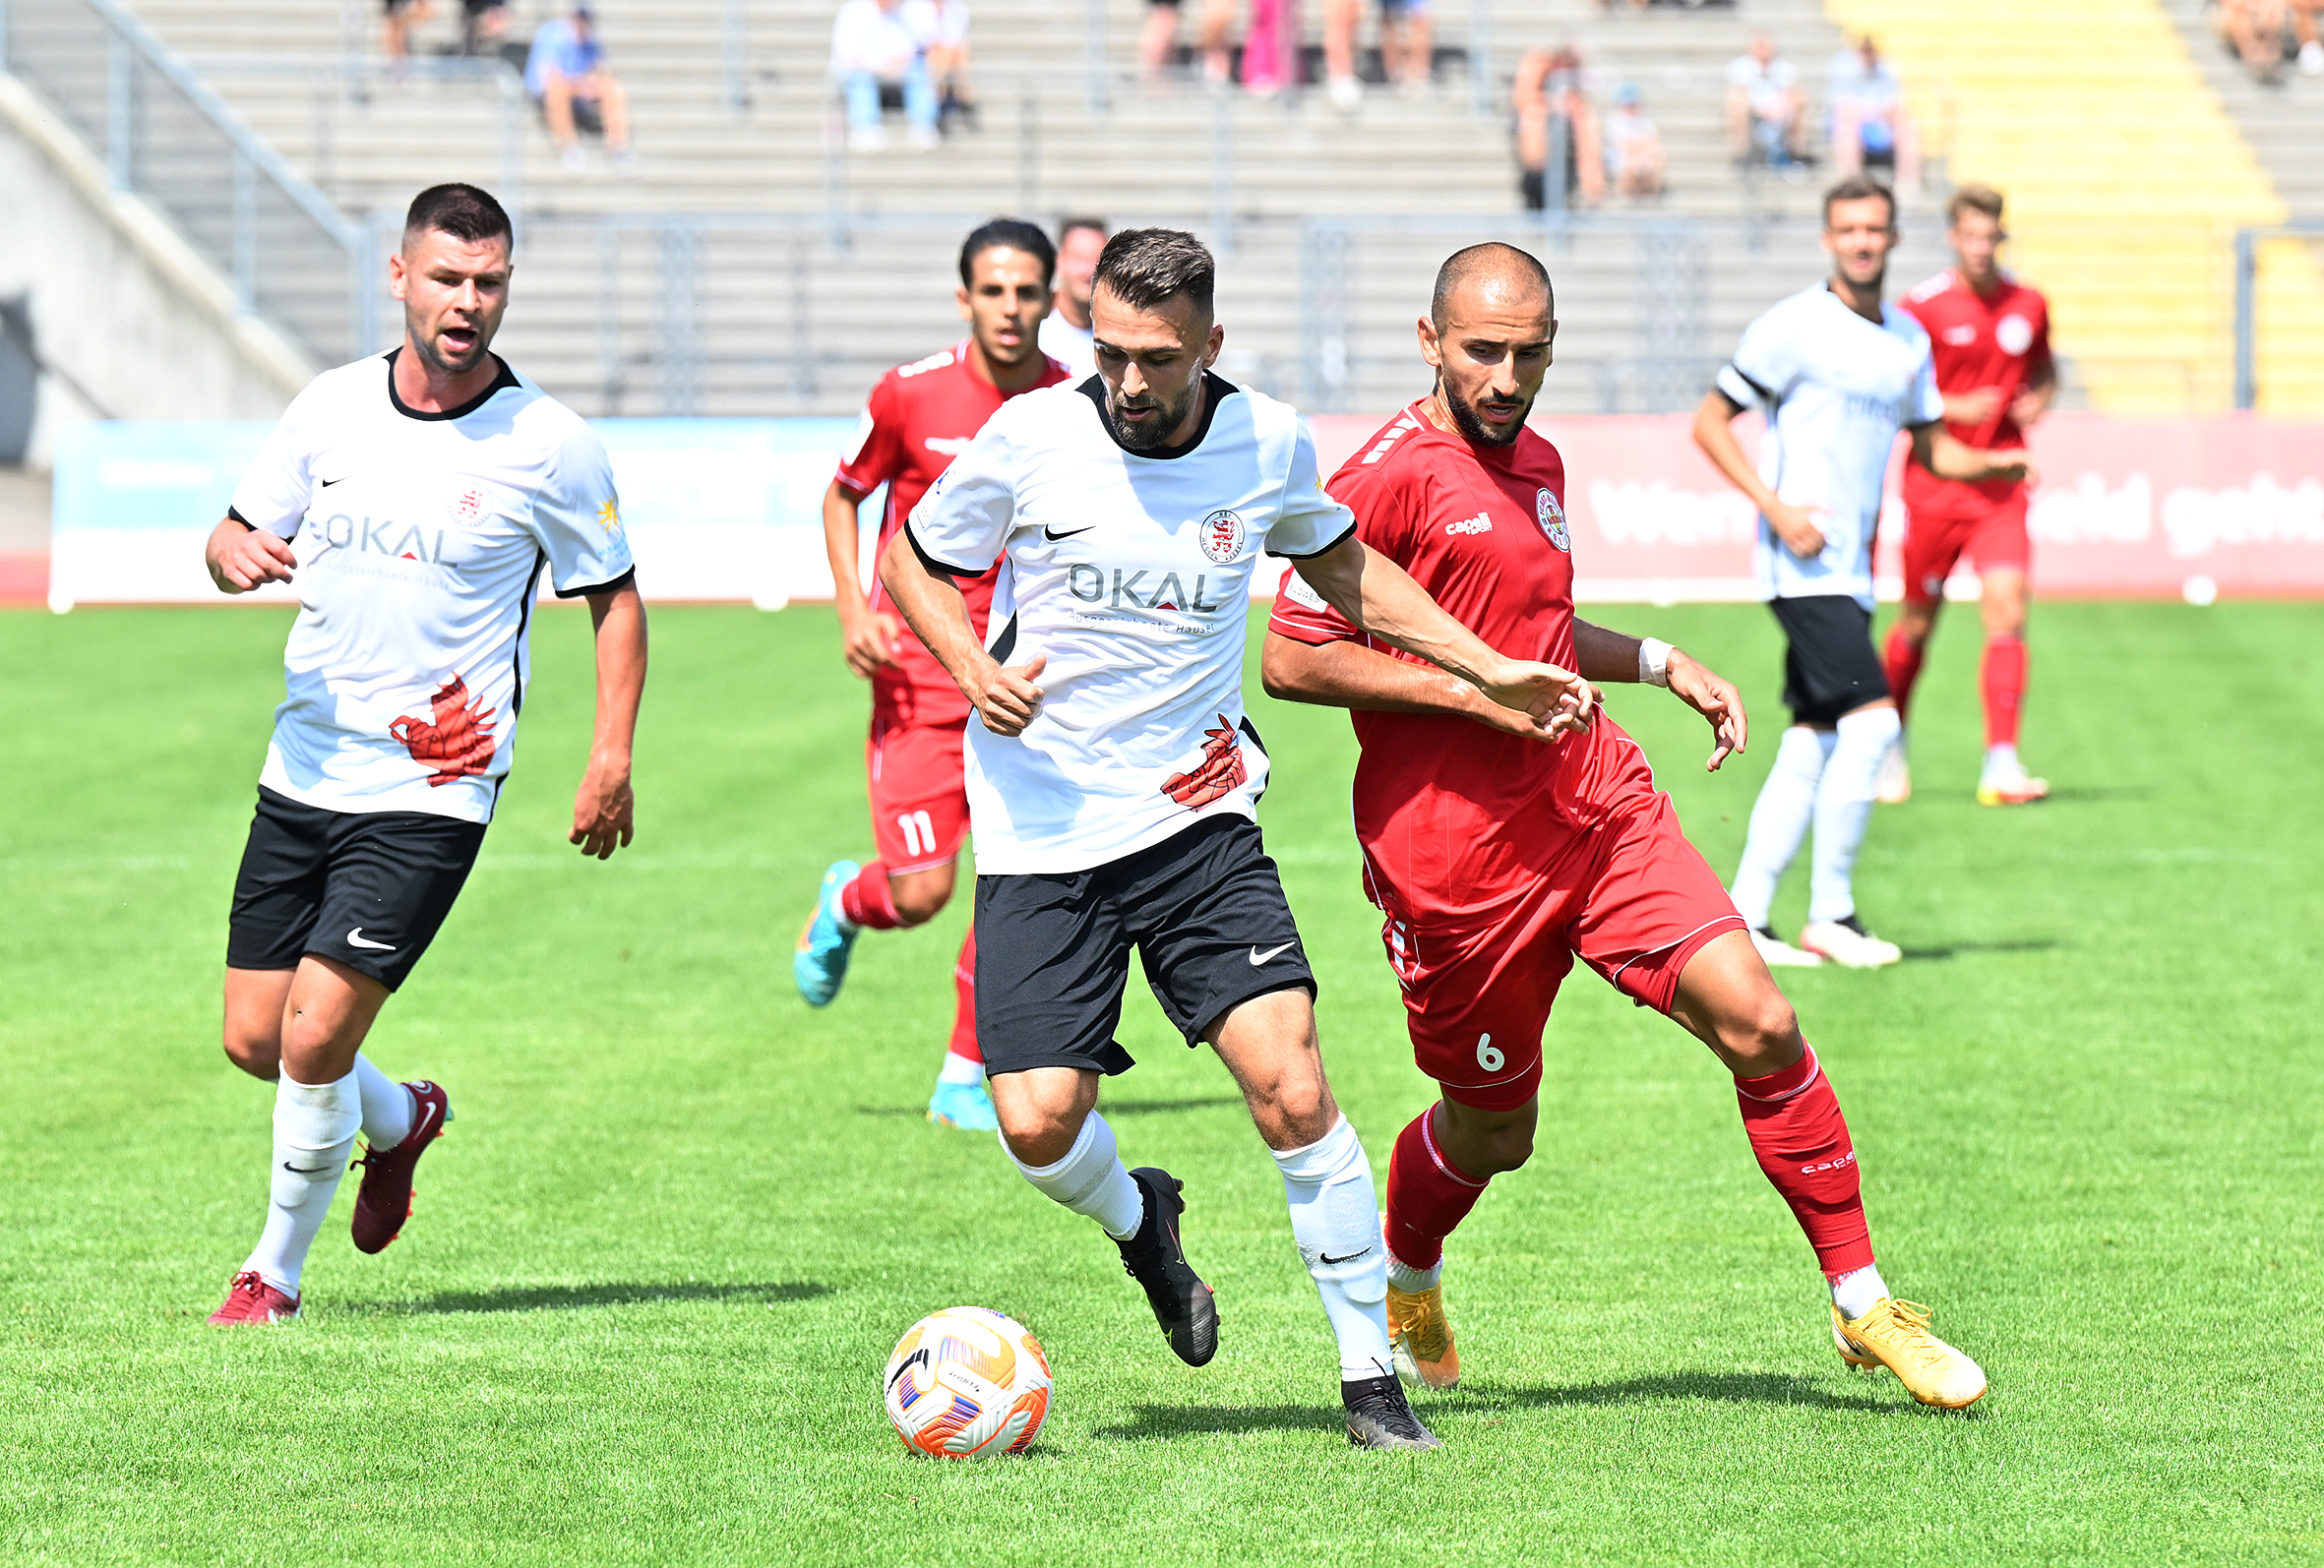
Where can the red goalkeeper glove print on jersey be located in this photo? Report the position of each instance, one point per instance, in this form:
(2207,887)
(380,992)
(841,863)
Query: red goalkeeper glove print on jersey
(456,741)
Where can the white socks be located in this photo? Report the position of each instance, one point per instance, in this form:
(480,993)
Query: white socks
(2001,764)
(1858,1291)
(315,1127)
(1780,819)
(1335,1219)
(1404,1277)
(387,1106)
(1844,808)
(959,1069)
(1090,1179)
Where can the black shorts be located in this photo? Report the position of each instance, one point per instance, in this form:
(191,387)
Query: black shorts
(1830,667)
(1205,910)
(366,888)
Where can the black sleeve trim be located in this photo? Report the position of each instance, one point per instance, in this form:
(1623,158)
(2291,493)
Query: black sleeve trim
(1727,399)
(934,565)
(1286,554)
(238,518)
(626,579)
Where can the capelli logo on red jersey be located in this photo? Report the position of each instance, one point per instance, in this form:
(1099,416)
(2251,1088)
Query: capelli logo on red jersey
(1841,1164)
(1481,522)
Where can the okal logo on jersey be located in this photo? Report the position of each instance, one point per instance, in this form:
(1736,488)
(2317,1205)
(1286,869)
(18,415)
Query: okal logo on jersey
(1552,519)
(381,535)
(1222,536)
(1088,583)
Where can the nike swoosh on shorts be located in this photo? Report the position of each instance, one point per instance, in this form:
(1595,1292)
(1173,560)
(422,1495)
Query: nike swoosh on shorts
(1257,958)
(356,938)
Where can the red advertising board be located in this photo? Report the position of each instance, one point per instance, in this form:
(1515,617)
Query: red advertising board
(2226,507)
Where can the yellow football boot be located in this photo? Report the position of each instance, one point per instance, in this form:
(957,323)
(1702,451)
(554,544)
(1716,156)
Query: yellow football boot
(1895,1335)
(1422,1337)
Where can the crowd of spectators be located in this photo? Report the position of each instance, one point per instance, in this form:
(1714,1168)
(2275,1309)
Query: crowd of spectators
(2267,35)
(1561,137)
(908,55)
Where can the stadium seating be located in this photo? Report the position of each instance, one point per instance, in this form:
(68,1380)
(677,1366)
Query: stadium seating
(2126,181)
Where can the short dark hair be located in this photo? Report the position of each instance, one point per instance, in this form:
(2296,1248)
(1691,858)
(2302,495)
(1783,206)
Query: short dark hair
(1492,255)
(463,212)
(1974,199)
(1095,225)
(1010,233)
(1143,267)
(1858,188)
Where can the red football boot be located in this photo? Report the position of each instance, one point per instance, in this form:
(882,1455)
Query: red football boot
(384,1202)
(251,1299)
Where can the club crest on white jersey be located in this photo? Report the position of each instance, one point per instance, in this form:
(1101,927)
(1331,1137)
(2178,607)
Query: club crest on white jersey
(1222,536)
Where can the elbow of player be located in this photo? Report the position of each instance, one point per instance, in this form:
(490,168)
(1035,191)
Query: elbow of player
(1278,674)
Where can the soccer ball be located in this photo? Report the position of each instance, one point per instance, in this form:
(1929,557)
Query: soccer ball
(965,1383)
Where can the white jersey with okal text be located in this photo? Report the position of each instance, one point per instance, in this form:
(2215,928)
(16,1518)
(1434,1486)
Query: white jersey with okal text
(1131,575)
(421,538)
(1835,390)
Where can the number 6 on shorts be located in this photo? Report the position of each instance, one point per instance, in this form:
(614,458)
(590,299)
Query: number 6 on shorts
(1487,1057)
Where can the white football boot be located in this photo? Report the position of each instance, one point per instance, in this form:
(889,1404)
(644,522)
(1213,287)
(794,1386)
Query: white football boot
(1776,953)
(1846,944)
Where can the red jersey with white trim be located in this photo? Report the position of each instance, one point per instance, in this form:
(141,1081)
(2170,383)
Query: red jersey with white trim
(1458,820)
(1999,340)
(918,419)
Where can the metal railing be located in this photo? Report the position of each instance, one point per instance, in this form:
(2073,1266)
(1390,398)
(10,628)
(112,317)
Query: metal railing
(289,255)
(2248,249)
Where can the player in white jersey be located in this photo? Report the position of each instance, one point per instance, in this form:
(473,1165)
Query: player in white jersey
(1836,374)
(1114,779)
(412,498)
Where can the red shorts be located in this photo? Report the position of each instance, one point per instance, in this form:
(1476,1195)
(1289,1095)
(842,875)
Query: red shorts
(1633,899)
(919,799)
(1992,537)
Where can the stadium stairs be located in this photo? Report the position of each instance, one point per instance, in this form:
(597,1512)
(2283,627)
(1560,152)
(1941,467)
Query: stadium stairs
(2126,179)
(798,315)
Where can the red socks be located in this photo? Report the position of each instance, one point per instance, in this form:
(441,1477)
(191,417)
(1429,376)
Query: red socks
(1426,1196)
(1903,661)
(1802,1140)
(2003,676)
(866,901)
(963,1043)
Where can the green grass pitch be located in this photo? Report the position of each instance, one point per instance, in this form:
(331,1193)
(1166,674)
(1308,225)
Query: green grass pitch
(656,1268)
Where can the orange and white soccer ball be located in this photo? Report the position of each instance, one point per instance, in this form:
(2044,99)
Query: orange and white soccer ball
(966,1383)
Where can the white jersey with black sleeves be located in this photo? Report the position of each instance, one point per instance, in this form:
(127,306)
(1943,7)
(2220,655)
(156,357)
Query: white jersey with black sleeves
(1130,573)
(1835,388)
(420,538)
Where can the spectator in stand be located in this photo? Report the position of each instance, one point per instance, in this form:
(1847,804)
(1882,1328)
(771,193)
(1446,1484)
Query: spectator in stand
(1869,125)
(401,16)
(942,29)
(1407,50)
(1340,81)
(1067,335)
(1635,160)
(484,27)
(1764,106)
(1157,45)
(2311,48)
(877,57)
(567,74)
(1553,112)
(2255,28)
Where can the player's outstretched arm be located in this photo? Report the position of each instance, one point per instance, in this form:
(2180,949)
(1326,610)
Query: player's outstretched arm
(866,636)
(933,607)
(1949,457)
(241,557)
(1608,655)
(1349,674)
(604,811)
(1379,596)
(1714,433)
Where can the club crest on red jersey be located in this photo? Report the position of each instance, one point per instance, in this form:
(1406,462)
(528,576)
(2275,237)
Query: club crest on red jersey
(2014,333)
(1222,536)
(1552,519)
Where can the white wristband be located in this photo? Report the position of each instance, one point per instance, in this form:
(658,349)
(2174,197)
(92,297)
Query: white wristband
(1654,661)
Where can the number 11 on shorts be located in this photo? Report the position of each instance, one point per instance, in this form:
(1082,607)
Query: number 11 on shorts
(919,832)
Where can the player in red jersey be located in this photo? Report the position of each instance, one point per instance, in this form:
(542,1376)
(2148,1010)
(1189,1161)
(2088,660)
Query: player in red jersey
(921,416)
(1498,860)
(1990,337)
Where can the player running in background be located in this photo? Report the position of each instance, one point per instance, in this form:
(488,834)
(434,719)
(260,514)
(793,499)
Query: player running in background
(1066,330)
(1115,780)
(1990,337)
(918,419)
(1498,860)
(1836,374)
(412,497)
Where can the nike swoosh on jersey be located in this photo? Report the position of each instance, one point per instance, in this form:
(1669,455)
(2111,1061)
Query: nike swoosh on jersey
(356,938)
(1257,958)
(340,481)
(1052,535)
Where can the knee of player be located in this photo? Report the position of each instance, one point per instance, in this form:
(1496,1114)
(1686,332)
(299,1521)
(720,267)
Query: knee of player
(1508,1148)
(1037,1134)
(258,1052)
(1765,1035)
